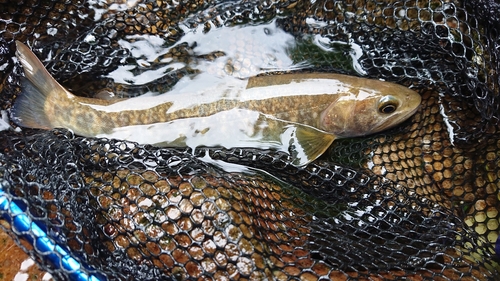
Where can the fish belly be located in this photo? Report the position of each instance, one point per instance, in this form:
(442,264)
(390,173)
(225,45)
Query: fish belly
(229,129)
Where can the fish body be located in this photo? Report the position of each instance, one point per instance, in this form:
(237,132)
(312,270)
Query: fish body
(298,113)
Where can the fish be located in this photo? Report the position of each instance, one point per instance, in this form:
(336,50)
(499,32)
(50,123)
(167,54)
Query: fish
(299,113)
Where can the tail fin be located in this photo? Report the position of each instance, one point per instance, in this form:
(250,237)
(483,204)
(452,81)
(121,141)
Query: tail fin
(29,107)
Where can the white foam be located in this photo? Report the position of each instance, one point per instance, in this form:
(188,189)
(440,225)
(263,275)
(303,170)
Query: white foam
(4,120)
(21,276)
(47,276)
(225,166)
(446,119)
(26,264)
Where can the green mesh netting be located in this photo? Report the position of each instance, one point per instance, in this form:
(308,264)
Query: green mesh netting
(418,202)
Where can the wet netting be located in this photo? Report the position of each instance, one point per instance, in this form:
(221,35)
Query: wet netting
(418,202)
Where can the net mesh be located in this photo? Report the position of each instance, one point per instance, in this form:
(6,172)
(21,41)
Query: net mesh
(418,202)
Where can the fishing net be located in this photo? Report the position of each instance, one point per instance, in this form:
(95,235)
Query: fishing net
(418,202)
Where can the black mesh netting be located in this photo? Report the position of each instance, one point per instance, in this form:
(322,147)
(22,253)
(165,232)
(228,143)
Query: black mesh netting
(419,202)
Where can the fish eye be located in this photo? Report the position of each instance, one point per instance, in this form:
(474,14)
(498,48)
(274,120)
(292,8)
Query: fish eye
(388,105)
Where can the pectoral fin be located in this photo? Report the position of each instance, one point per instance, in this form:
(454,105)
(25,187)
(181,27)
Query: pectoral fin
(310,144)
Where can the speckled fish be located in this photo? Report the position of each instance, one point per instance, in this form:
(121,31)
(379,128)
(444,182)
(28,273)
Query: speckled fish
(298,113)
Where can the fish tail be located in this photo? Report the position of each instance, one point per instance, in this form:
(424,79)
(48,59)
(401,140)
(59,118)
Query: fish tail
(29,108)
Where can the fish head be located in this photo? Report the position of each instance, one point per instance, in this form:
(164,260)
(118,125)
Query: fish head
(365,110)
